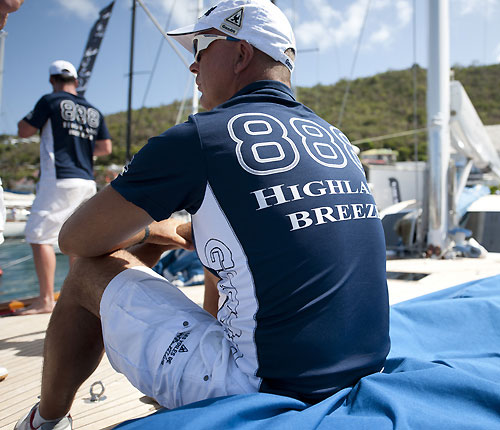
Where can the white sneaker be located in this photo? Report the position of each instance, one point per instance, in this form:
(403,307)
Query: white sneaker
(26,423)
(3,373)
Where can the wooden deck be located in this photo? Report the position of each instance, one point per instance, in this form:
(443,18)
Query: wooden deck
(21,345)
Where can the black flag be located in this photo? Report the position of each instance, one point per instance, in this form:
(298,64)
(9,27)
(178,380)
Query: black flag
(92,48)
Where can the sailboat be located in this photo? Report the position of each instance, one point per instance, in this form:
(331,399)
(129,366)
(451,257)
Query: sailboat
(408,277)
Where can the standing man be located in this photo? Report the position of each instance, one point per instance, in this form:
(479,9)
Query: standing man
(72,132)
(282,219)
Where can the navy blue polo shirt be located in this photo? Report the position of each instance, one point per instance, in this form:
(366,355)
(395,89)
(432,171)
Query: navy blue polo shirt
(69,126)
(283,215)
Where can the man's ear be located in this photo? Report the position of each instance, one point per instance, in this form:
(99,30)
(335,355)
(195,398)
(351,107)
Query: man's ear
(246,53)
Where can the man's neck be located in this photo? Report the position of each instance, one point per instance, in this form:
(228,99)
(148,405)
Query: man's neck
(69,88)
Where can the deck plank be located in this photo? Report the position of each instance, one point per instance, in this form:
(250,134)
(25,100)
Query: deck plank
(21,349)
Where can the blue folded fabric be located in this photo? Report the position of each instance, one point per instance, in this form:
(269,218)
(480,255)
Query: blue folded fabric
(443,372)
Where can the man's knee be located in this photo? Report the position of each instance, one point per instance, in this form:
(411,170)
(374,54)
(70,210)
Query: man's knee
(88,278)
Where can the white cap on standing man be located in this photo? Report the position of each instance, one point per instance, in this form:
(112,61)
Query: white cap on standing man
(63,68)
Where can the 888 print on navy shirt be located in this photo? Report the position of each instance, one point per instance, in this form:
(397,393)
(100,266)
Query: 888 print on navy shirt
(69,126)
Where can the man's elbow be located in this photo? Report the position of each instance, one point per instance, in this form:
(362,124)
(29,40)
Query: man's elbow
(24,129)
(108,148)
(64,242)
(69,242)
(22,134)
(103,148)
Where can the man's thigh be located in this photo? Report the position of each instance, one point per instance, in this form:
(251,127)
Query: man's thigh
(167,346)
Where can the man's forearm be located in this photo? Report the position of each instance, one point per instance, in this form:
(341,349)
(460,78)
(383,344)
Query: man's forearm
(103,224)
(25,130)
(9,6)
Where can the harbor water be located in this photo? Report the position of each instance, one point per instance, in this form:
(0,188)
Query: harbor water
(19,280)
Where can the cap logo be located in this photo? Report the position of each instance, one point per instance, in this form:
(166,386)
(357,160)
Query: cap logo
(234,20)
(209,11)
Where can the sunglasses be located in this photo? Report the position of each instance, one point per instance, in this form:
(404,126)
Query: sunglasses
(203,41)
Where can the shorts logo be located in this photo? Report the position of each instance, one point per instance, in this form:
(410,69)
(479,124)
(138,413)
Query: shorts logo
(177,345)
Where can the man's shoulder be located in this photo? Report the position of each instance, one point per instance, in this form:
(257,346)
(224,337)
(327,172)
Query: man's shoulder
(45,98)
(184,133)
(55,98)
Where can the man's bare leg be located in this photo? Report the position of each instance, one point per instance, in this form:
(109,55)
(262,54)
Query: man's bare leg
(45,266)
(73,345)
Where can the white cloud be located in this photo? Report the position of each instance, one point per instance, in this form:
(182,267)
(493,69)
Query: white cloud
(353,20)
(466,7)
(85,9)
(183,12)
(330,26)
(382,35)
(380,4)
(404,11)
(497,53)
(311,34)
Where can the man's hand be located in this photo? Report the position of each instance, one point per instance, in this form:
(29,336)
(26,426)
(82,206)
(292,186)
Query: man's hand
(171,232)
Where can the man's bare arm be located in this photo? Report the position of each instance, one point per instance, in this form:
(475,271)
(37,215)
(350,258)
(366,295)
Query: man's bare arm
(108,222)
(24,129)
(103,147)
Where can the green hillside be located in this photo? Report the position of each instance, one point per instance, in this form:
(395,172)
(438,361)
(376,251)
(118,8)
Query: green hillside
(377,105)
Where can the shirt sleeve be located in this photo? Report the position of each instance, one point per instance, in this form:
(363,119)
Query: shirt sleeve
(103,132)
(167,175)
(39,115)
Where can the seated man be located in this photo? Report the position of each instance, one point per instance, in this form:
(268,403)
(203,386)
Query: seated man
(282,219)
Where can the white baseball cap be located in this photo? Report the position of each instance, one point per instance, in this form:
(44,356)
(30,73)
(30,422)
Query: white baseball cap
(259,22)
(64,68)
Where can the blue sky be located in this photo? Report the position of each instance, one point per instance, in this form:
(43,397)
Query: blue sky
(326,30)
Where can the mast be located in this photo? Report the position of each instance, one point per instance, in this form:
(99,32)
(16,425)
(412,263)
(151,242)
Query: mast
(195,103)
(130,78)
(3,36)
(438,118)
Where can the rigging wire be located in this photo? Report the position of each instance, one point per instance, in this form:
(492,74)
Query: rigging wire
(389,136)
(419,231)
(158,52)
(180,112)
(346,93)
(485,32)
(158,26)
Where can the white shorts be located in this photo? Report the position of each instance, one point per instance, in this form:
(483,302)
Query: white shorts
(167,346)
(55,201)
